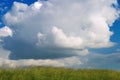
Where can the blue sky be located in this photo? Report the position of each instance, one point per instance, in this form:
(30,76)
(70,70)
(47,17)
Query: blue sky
(34,32)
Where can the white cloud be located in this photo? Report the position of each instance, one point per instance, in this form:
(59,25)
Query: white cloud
(60,39)
(64,62)
(60,28)
(5,31)
(86,26)
(37,5)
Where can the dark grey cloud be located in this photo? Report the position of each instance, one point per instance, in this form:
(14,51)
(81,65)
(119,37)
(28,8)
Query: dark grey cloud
(25,50)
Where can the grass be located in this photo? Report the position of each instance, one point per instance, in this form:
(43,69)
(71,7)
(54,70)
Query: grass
(51,73)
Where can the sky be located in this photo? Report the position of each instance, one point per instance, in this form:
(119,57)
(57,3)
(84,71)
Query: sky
(60,33)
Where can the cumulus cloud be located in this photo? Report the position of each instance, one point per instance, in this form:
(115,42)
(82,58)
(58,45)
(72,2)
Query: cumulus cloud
(58,29)
(5,31)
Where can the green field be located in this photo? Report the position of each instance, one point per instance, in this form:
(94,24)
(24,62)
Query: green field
(51,73)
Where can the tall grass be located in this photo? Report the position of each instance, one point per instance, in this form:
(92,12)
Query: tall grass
(50,73)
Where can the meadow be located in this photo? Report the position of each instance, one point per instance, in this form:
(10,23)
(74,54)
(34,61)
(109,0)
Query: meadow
(52,73)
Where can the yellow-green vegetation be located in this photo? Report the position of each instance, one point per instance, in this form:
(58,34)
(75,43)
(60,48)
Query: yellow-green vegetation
(51,73)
